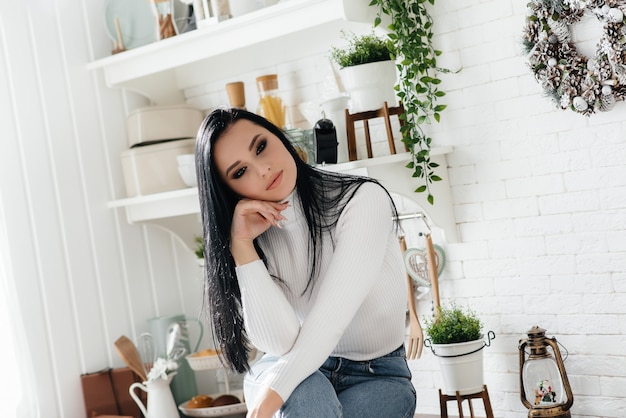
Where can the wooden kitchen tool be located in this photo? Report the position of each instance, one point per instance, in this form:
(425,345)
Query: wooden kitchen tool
(128,352)
(432,271)
(162,10)
(416,335)
(118,45)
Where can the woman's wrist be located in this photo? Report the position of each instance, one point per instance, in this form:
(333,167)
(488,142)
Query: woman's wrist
(243,251)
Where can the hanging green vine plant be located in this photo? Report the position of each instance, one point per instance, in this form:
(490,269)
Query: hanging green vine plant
(410,34)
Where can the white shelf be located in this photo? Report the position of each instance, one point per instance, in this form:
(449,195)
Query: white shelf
(178,210)
(289,30)
(159,205)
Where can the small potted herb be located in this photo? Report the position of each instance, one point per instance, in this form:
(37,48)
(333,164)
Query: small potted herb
(455,337)
(453,325)
(361,49)
(368,71)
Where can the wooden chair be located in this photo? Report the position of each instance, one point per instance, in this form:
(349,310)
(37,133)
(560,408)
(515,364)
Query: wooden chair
(484,395)
(384,112)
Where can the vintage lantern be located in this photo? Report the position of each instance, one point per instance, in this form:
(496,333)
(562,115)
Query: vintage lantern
(544,387)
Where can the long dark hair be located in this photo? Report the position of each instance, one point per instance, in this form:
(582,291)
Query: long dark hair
(323,195)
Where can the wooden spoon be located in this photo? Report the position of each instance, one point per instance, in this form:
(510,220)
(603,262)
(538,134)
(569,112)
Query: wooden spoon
(416,335)
(128,352)
(431,262)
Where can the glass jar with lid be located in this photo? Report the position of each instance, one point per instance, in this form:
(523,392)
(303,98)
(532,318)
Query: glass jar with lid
(270,104)
(301,141)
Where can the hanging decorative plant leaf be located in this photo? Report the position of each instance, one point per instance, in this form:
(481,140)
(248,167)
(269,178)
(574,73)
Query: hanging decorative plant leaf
(411,37)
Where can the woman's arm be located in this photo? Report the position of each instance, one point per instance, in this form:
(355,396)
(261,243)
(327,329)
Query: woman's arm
(271,323)
(266,406)
(363,236)
(270,320)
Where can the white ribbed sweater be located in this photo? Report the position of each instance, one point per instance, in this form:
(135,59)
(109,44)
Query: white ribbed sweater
(357,307)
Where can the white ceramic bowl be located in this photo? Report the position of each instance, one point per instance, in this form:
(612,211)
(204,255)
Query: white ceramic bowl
(188,174)
(237,410)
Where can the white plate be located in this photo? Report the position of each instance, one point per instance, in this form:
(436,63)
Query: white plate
(137,23)
(216,411)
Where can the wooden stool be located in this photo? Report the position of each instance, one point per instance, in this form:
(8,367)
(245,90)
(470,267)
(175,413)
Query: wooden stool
(384,112)
(484,395)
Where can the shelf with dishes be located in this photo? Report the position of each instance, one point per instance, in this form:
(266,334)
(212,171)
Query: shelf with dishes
(179,210)
(161,70)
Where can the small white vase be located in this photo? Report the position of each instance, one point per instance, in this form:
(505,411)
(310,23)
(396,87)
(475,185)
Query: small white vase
(370,85)
(461,366)
(160,399)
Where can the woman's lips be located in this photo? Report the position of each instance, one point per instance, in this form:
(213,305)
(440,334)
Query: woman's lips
(275,181)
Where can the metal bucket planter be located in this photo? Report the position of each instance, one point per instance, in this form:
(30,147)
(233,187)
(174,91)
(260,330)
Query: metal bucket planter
(461,365)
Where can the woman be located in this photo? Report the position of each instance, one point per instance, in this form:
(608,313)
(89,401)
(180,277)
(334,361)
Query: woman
(305,265)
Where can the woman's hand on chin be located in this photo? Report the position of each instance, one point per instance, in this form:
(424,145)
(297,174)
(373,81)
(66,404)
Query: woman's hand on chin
(253,217)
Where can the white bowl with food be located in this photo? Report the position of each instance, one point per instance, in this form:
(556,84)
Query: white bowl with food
(215,405)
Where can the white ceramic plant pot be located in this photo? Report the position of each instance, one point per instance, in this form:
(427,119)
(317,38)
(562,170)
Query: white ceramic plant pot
(370,85)
(461,366)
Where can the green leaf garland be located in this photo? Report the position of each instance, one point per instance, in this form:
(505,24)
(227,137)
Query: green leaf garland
(411,36)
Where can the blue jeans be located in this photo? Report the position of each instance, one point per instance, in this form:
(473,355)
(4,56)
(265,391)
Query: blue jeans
(341,388)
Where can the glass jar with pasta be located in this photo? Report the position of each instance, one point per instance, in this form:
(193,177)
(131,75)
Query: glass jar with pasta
(270,104)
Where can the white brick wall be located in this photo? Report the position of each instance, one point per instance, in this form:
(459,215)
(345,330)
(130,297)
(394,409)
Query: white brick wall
(540,203)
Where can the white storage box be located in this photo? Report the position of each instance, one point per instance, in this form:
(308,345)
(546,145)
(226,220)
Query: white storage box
(153,168)
(157,123)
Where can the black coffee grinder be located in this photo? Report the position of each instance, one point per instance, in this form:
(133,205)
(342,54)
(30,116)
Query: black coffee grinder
(325,141)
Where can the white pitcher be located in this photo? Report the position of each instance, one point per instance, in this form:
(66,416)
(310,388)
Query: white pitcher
(160,400)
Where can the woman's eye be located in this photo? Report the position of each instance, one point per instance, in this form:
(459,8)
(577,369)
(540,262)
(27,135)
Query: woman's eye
(261,146)
(239,173)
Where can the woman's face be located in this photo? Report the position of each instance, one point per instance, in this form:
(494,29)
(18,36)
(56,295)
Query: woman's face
(254,163)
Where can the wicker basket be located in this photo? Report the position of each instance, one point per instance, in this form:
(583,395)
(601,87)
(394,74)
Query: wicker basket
(204,362)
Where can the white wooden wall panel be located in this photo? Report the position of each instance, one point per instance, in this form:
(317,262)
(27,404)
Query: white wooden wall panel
(83,275)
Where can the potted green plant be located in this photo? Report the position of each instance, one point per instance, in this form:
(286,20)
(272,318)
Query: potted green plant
(361,49)
(367,70)
(455,337)
(199,249)
(410,35)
